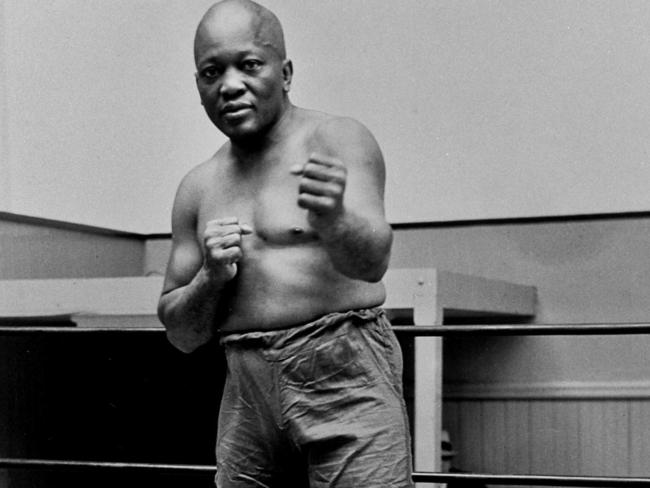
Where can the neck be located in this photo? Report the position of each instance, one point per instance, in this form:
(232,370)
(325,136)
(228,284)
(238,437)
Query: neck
(261,142)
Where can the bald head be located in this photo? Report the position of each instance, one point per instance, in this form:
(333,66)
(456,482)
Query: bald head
(260,21)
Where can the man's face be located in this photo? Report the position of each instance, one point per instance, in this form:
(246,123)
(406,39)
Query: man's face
(242,82)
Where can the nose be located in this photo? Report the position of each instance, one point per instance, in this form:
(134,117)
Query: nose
(232,84)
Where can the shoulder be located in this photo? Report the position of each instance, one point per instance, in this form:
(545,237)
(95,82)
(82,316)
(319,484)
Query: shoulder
(194,178)
(189,187)
(197,179)
(347,138)
(337,129)
(341,136)
(192,188)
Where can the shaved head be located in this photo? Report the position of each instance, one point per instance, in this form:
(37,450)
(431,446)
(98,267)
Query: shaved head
(263,23)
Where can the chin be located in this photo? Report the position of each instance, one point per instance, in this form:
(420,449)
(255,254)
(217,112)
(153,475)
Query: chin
(242,129)
(242,136)
(244,132)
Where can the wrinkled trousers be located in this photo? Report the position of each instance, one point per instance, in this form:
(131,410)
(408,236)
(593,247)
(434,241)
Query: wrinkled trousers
(315,406)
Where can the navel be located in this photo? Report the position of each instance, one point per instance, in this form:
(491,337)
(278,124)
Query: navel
(296,230)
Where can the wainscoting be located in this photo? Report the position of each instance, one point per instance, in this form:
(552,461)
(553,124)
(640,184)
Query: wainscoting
(565,429)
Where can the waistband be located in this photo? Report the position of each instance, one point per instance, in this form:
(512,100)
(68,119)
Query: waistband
(297,335)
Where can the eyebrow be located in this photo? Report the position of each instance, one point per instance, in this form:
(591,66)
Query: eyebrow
(243,52)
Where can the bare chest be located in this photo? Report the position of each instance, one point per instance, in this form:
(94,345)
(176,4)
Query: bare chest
(265,199)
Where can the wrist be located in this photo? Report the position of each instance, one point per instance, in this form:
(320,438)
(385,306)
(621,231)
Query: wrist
(214,277)
(330,224)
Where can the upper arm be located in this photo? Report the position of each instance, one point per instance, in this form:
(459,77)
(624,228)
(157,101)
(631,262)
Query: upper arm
(355,146)
(186,255)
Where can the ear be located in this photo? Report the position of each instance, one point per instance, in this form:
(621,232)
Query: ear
(287,74)
(196,80)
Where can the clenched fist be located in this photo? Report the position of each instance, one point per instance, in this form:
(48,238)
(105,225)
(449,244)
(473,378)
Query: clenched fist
(222,243)
(321,188)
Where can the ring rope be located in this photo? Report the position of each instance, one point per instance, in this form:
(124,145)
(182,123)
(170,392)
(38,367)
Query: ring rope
(413,330)
(531,480)
(418,330)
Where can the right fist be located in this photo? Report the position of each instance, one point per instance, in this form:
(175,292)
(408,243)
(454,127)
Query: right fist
(222,243)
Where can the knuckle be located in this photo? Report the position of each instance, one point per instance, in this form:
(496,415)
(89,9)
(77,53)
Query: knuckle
(335,189)
(213,232)
(233,254)
(328,204)
(225,220)
(214,255)
(307,187)
(304,201)
(309,170)
(217,225)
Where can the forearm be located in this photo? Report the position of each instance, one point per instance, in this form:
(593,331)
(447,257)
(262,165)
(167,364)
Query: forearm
(189,313)
(358,248)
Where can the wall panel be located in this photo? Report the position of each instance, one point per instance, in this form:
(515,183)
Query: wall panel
(494,434)
(47,250)
(605,434)
(639,437)
(517,433)
(582,437)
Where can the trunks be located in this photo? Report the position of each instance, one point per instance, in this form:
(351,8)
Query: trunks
(315,406)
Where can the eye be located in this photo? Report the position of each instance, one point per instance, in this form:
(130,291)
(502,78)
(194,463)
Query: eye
(251,64)
(209,73)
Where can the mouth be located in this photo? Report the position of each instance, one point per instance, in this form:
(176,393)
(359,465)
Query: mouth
(234,110)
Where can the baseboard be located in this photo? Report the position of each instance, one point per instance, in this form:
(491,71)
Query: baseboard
(582,390)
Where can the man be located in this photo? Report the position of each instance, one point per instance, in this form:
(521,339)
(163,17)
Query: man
(279,246)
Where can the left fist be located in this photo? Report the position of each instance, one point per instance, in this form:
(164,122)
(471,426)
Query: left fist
(321,188)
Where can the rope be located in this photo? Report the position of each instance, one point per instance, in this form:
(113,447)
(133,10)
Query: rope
(524,329)
(413,330)
(76,465)
(436,331)
(531,480)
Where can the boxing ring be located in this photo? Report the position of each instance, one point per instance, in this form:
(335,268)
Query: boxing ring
(422,297)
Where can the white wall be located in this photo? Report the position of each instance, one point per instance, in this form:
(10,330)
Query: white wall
(484,109)
(5,196)
(103,118)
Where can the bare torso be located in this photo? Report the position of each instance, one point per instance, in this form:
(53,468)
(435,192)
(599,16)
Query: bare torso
(285,277)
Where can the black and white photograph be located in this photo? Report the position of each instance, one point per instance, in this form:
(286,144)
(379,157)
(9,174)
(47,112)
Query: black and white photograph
(324,243)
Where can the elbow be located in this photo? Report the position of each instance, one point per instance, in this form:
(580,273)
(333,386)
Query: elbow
(372,271)
(373,266)
(374,274)
(178,335)
(376,269)
(376,277)
(182,342)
